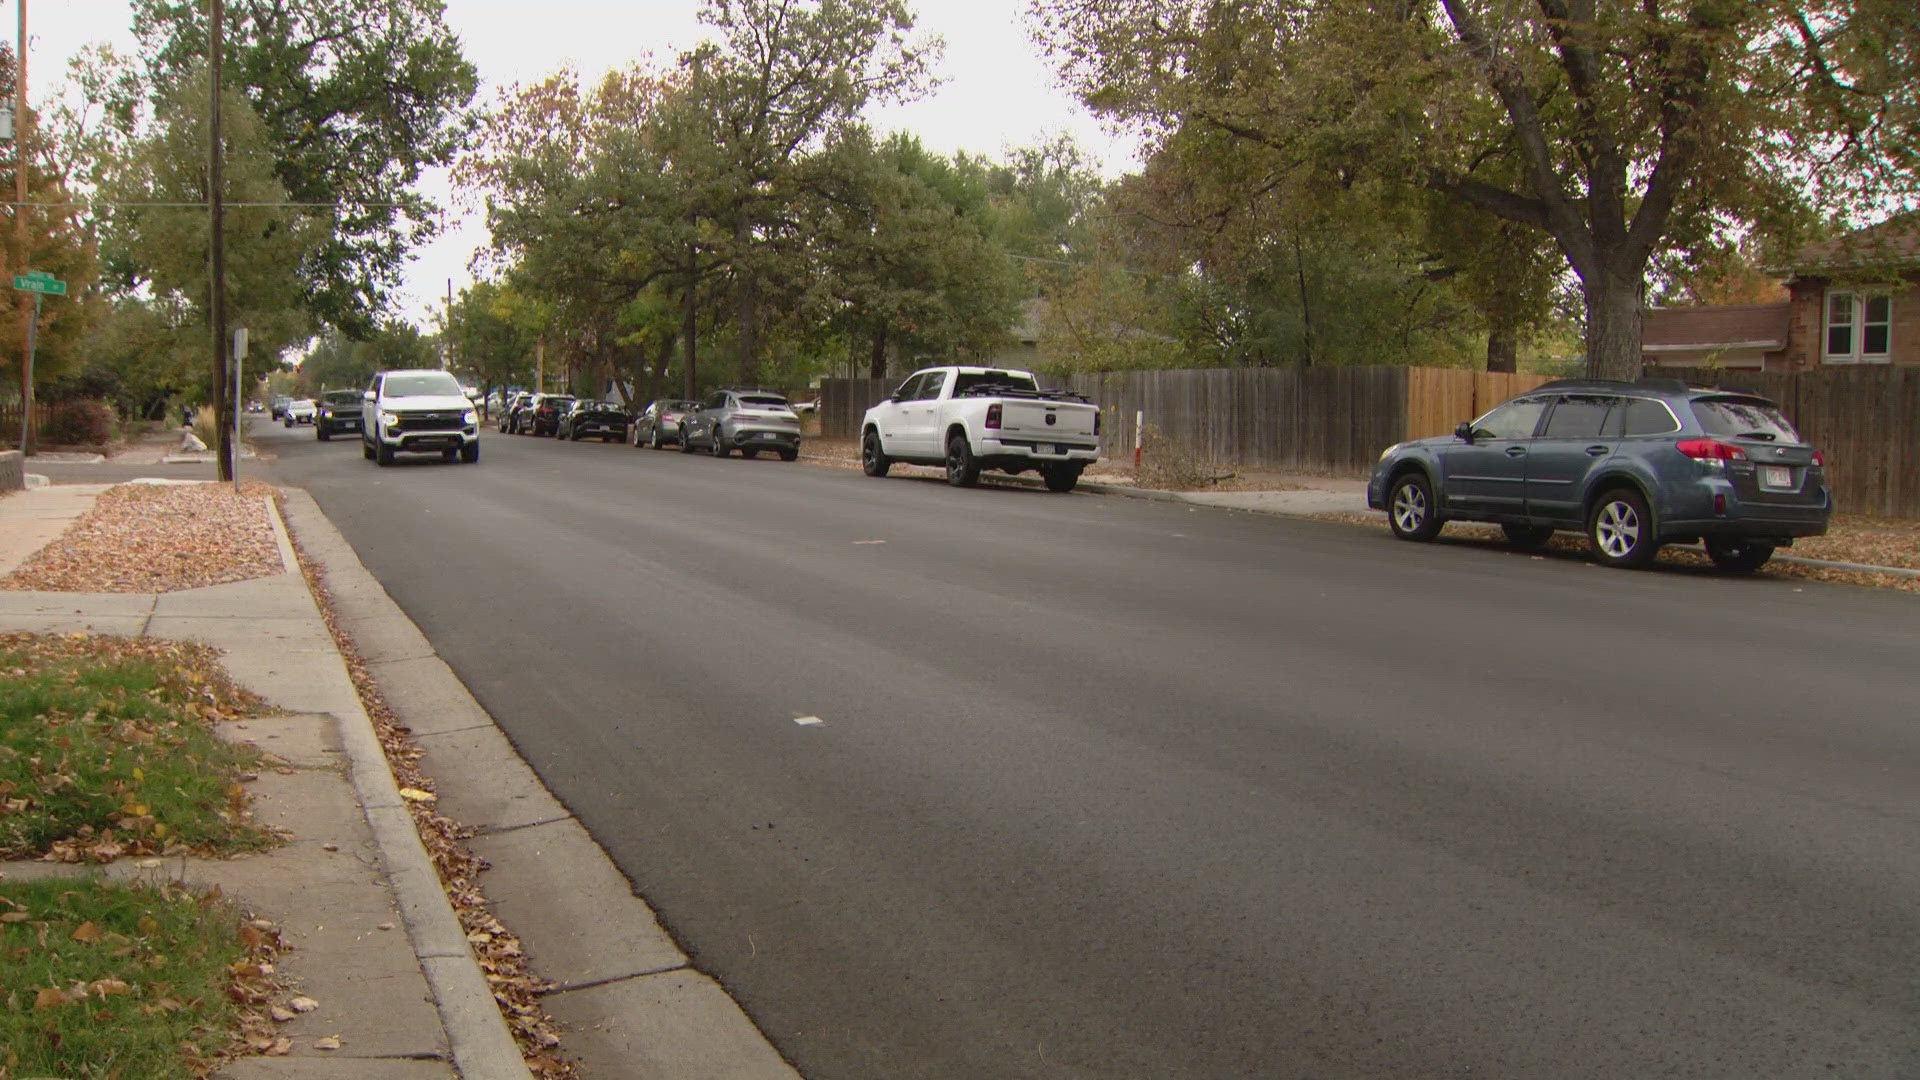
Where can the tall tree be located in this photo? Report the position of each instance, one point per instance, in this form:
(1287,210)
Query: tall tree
(157,241)
(1619,128)
(355,99)
(783,77)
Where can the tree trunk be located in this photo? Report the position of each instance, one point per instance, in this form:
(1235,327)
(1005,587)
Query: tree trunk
(877,359)
(1503,348)
(1614,318)
(1306,308)
(691,321)
(657,374)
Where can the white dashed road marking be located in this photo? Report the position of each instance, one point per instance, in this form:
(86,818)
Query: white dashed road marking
(808,721)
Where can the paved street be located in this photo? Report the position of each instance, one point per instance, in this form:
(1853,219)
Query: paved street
(1111,788)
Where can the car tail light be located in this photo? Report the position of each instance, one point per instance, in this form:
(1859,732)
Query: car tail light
(993,415)
(1710,451)
(1819,459)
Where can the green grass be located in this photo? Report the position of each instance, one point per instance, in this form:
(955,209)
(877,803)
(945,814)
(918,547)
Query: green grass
(101,980)
(107,748)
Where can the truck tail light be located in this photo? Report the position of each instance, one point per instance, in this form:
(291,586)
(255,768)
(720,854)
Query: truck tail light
(1819,459)
(993,416)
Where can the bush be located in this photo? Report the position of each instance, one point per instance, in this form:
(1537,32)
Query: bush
(80,423)
(1168,467)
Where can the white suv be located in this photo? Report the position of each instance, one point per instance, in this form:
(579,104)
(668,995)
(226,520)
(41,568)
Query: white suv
(418,411)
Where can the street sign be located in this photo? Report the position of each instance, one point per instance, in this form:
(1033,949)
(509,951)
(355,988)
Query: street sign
(39,281)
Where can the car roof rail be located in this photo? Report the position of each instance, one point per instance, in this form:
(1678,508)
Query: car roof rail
(1563,384)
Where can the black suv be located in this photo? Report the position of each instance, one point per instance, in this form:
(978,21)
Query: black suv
(1634,465)
(542,414)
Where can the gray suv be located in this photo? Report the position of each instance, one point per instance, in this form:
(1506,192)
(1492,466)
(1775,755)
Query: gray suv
(420,411)
(745,420)
(1632,465)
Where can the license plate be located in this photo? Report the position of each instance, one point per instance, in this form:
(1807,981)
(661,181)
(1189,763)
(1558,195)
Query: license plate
(1779,477)
(1048,448)
(766,435)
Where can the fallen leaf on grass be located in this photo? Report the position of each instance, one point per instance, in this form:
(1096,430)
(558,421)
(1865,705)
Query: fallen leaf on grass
(331,1042)
(303,1004)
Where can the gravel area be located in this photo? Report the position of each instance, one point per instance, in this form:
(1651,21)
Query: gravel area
(151,538)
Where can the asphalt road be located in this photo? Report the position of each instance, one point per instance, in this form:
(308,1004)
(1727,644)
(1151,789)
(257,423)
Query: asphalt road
(1111,788)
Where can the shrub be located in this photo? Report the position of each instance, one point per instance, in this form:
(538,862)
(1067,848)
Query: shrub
(80,423)
(1167,466)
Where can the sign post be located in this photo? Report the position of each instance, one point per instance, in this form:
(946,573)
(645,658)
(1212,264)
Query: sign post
(41,284)
(239,405)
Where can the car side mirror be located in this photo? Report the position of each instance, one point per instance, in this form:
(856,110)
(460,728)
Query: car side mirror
(368,396)
(1464,432)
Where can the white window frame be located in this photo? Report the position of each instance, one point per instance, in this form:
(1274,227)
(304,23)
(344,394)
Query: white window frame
(1856,322)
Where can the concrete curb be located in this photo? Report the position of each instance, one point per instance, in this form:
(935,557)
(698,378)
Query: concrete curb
(477,1035)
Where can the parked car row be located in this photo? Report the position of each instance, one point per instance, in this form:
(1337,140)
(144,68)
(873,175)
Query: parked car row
(750,421)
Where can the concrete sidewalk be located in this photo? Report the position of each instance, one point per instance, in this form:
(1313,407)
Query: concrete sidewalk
(374,938)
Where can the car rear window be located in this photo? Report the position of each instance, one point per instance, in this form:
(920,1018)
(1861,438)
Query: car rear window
(763,401)
(1744,418)
(557,402)
(968,381)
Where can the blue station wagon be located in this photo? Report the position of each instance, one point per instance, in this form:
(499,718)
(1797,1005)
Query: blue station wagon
(1634,465)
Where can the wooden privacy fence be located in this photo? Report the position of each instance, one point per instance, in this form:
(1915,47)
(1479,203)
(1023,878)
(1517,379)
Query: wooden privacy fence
(1324,420)
(10,421)
(1336,420)
(1865,420)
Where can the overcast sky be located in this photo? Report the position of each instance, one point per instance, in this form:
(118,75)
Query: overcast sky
(996,92)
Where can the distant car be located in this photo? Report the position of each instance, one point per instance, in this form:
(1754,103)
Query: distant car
(299,411)
(587,419)
(659,423)
(339,413)
(510,412)
(418,411)
(745,420)
(543,414)
(1633,465)
(280,404)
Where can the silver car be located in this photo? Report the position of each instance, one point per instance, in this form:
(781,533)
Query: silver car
(745,420)
(659,424)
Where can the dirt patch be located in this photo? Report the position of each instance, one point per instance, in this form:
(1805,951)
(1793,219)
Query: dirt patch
(152,538)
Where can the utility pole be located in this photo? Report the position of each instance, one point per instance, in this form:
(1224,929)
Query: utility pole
(20,126)
(217,247)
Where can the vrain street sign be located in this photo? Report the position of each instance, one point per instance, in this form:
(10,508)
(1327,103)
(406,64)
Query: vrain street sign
(39,281)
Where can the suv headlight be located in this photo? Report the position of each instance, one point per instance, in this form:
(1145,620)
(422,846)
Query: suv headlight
(470,417)
(388,419)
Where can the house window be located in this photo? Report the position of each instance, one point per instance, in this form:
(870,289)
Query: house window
(1859,327)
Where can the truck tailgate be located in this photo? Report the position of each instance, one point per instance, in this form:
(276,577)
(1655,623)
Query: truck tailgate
(1038,419)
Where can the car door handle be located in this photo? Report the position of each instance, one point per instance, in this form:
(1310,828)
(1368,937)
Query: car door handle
(1516,451)
(1596,451)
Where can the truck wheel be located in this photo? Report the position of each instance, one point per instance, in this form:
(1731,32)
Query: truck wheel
(470,453)
(962,469)
(320,432)
(789,455)
(366,449)
(872,461)
(383,454)
(1060,478)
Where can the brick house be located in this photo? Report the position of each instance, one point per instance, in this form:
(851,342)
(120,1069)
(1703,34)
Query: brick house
(1852,300)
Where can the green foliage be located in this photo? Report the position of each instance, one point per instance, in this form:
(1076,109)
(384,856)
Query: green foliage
(159,237)
(355,98)
(146,352)
(108,980)
(1617,130)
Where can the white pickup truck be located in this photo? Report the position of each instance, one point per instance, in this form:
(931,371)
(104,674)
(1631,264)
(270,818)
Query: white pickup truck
(974,418)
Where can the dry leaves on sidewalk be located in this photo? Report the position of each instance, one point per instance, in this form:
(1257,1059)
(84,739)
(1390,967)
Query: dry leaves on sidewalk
(146,538)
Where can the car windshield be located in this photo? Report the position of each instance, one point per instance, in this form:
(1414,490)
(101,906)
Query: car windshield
(422,384)
(343,397)
(679,406)
(1744,418)
(556,402)
(763,401)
